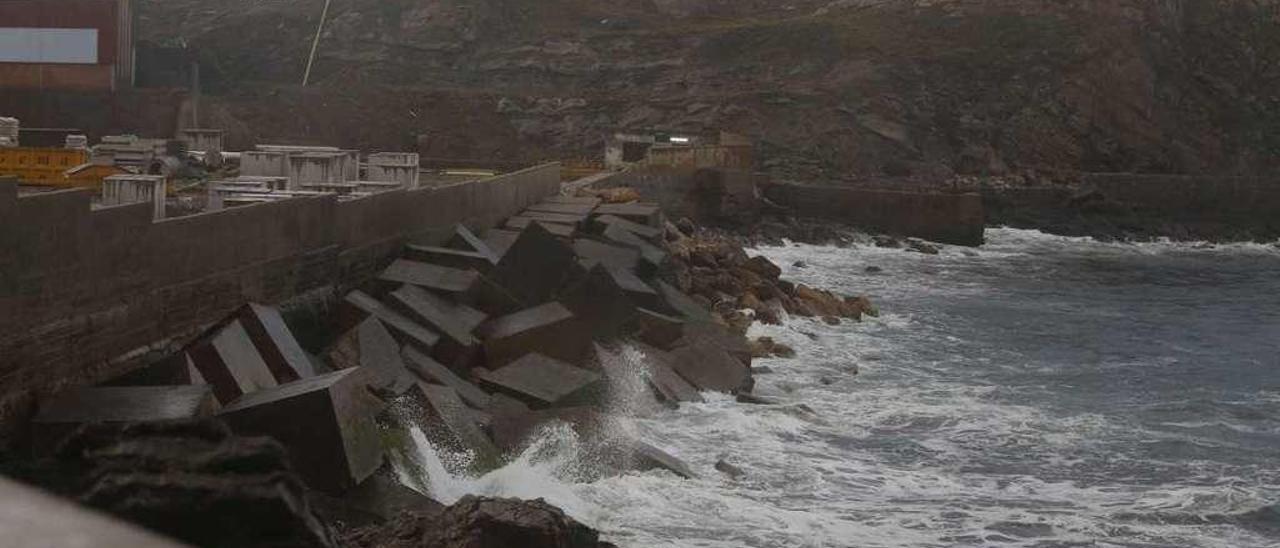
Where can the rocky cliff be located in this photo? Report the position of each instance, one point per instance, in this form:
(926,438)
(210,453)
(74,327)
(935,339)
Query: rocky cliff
(831,90)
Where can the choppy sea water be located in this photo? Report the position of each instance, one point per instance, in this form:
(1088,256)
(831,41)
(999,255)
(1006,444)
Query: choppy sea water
(1038,392)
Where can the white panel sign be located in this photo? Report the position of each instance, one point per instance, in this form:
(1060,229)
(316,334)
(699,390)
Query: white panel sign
(24,45)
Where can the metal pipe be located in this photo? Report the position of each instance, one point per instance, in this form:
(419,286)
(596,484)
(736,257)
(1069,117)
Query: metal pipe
(315,43)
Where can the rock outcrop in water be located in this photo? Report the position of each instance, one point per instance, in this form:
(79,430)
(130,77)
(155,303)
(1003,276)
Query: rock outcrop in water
(480,522)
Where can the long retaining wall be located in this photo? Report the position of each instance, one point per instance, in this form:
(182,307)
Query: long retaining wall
(86,295)
(954,218)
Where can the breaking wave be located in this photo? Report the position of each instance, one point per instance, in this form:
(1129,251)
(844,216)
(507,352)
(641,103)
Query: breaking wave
(1039,391)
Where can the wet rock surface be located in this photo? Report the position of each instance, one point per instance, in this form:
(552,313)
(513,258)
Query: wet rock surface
(478,522)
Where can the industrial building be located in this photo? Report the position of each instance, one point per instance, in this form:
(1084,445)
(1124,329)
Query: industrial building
(64,45)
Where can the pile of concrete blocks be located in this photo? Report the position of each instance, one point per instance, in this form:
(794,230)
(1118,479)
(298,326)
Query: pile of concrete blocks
(302,165)
(500,333)
(9,129)
(129,151)
(131,189)
(395,167)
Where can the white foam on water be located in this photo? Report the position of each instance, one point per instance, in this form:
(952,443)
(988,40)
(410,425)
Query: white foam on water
(902,454)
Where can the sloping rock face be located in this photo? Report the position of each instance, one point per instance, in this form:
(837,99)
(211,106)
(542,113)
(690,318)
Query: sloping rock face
(477,522)
(829,89)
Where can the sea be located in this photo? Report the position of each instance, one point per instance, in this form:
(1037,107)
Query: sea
(1038,391)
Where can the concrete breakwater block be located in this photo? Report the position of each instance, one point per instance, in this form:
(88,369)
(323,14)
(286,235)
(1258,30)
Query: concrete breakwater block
(593,253)
(451,258)
(275,343)
(541,381)
(650,233)
(450,281)
(636,212)
(500,240)
(406,331)
(647,457)
(455,425)
(581,211)
(325,422)
(662,377)
(371,346)
(572,219)
(717,335)
(464,239)
(709,367)
(577,200)
(561,230)
(456,345)
(512,431)
(601,304)
(681,304)
(536,267)
(61,415)
(652,255)
(550,329)
(227,359)
(431,370)
(658,329)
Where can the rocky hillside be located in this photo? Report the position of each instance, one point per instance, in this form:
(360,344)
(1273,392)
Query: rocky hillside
(832,90)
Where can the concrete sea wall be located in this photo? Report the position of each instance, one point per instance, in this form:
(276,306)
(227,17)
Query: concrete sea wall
(85,295)
(953,218)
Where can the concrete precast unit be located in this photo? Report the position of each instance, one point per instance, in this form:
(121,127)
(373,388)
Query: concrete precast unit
(260,162)
(316,167)
(203,140)
(398,167)
(132,189)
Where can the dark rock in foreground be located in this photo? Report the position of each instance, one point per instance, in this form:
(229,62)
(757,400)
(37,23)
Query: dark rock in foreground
(476,522)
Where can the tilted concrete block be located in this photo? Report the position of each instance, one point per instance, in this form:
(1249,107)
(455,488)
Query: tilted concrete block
(536,267)
(449,281)
(681,304)
(550,329)
(62,414)
(500,240)
(582,211)
(542,382)
(662,376)
(431,370)
(562,230)
(601,305)
(227,359)
(406,330)
(719,336)
(709,367)
(647,457)
(453,425)
(572,219)
(650,233)
(636,212)
(577,200)
(457,346)
(451,258)
(371,347)
(324,422)
(512,431)
(657,329)
(276,343)
(592,253)
(464,239)
(652,255)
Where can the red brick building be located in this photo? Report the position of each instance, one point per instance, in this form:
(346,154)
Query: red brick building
(66,44)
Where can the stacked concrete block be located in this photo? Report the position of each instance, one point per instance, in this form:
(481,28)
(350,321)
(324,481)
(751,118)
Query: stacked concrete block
(371,347)
(63,414)
(132,189)
(325,423)
(637,212)
(358,305)
(397,167)
(536,266)
(549,329)
(541,381)
(445,280)
(9,130)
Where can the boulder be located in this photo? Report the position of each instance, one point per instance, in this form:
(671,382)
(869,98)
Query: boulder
(550,329)
(378,499)
(618,195)
(729,470)
(540,381)
(444,280)
(325,422)
(61,415)
(371,347)
(193,482)
(456,344)
(430,370)
(475,522)
(451,258)
(764,267)
(536,267)
(560,230)
(359,305)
